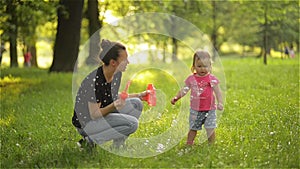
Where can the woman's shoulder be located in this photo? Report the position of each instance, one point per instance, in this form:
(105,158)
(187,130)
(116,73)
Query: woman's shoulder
(94,74)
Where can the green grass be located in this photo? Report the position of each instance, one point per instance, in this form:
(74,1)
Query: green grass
(259,127)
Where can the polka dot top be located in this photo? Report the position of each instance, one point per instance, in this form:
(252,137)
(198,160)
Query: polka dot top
(94,89)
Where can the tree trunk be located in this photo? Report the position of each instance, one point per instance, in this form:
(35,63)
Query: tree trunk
(32,50)
(164,51)
(94,26)
(13,49)
(175,47)
(298,46)
(67,40)
(265,38)
(214,30)
(31,47)
(265,35)
(13,33)
(174,40)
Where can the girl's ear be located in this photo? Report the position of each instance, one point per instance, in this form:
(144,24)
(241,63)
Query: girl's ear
(193,69)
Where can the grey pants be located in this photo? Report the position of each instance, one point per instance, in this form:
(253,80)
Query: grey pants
(115,126)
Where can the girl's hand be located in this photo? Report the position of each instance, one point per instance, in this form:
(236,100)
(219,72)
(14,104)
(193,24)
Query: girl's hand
(220,106)
(174,100)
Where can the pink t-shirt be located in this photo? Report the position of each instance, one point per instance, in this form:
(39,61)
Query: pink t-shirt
(202,97)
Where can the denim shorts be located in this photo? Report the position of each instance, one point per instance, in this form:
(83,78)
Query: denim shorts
(198,118)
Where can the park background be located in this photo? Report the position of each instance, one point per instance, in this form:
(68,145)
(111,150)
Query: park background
(260,124)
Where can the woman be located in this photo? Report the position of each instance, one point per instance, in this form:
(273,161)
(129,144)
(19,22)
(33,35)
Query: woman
(100,114)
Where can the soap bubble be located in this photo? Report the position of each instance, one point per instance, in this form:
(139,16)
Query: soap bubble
(163,126)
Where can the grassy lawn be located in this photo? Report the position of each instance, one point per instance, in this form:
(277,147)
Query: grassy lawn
(259,127)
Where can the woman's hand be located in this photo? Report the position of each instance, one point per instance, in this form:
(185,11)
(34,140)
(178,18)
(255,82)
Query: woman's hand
(119,104)
(143,94)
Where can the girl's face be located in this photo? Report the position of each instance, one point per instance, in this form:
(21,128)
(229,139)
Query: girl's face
(202,67)
(122,61)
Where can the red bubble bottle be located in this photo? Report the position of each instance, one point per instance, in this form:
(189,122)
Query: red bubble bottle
(151,95)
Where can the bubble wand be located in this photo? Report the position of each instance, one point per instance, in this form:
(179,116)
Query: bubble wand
(150,97)
(124,94)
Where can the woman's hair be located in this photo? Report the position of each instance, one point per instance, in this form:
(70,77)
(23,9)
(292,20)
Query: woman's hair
(204,56)
(110,50)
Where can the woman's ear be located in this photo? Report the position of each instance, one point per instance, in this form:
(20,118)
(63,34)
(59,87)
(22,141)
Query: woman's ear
(113,62)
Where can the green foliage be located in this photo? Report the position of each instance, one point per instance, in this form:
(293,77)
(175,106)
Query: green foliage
(30,15)
(236,22)
(279,19)
(259,127)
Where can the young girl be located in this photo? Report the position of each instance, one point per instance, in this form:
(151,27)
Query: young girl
(204,88)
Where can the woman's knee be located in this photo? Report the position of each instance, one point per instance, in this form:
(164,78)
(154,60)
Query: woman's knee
(129,124)
(136,103)
(134,124)
(134,107)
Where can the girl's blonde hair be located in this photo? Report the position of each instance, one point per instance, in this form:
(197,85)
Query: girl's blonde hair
(204,56)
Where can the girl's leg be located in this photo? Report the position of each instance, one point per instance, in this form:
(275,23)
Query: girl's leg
(210,125)
(191,136)
(211,135)
(195,124)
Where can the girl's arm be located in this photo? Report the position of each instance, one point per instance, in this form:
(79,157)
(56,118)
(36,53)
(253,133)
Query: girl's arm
(182,92)
(219,97)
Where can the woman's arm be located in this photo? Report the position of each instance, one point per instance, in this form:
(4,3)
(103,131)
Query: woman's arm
(139,95)
(97,112)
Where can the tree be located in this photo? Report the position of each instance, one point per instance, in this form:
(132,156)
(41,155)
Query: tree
(11,11)
(177,8)
(242,26)
(20,19)
(31,15)
(208,16)
(67,40)
(274,24)
(265,32)
(214,28)
(94,26)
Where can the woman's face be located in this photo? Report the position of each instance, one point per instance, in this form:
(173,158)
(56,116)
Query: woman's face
(122,61)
